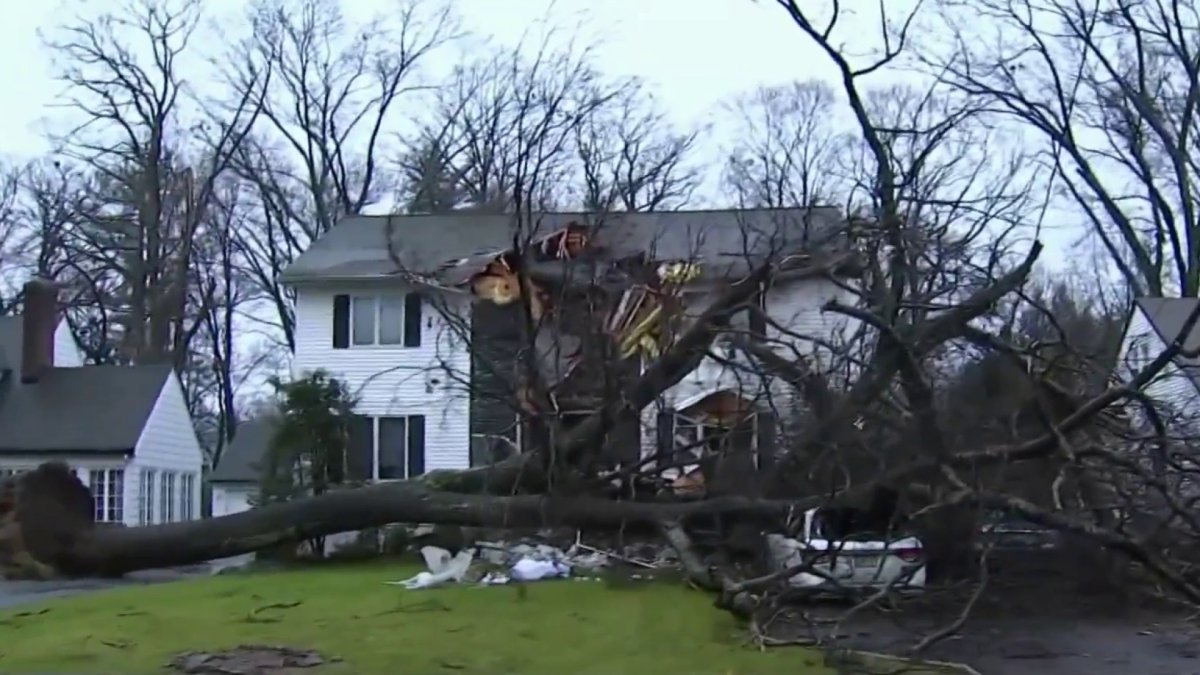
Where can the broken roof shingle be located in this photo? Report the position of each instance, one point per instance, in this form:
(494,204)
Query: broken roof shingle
(357,247)
(85,409)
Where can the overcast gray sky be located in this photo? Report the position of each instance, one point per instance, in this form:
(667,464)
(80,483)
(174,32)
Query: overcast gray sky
(695,53)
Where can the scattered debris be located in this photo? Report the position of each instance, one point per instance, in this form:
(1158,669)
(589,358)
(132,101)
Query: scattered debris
(493,563)
(247,660)
(443,568)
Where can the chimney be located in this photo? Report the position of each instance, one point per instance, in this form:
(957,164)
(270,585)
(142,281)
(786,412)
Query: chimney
(38,323)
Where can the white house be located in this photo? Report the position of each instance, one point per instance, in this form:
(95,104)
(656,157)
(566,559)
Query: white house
(406,309)
(236,477)
(1153,325)
(124,430)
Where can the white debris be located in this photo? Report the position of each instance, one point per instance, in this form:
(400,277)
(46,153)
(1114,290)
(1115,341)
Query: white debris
(442,568)
(531,569)
(521,562)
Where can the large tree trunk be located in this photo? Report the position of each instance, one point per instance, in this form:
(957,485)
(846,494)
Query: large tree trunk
(47,526)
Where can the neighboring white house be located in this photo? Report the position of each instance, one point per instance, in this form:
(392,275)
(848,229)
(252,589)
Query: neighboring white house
(235,480)
(1153,325)
(124,430)
(386,303)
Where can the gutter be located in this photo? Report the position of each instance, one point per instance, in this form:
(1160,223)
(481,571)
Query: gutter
(296,282)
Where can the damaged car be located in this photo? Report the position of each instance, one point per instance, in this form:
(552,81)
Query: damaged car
(842,549)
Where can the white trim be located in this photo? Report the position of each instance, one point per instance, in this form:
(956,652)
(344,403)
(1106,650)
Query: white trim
(696,398)
(112,496)
(375,427)
(147,494)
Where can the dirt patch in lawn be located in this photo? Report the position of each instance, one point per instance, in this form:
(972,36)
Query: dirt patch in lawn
(249,660)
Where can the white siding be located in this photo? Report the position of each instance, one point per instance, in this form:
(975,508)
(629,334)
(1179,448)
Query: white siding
(395,380)
(66,353)
(168,443)
(427,380)
(82,466)
(1171,387)
(230,498)
(796,306)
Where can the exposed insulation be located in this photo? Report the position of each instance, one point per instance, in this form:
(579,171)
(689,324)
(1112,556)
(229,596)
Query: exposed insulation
(500,284)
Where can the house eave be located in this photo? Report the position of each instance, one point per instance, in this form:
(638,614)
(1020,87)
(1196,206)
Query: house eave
(314,280)
(68,452)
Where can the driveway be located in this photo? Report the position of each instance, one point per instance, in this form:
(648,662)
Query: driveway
(14,593)
(1145,644)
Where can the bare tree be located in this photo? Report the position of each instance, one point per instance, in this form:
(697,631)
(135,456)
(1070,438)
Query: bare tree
(222,293)
(505,125)
(129,101)
(321,153)
(786,147)
(9,179)
(631,159)
(1110,89)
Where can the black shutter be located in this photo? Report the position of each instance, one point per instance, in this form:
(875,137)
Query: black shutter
(758,314)
(416,445)
(360,455)
(665,433)
(412,320)
(341,321)
(767,424)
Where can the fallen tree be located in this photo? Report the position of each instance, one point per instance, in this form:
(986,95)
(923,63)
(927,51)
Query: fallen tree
(48,530)
(66,541)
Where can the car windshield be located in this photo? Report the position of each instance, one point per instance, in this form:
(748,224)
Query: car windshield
(845,523)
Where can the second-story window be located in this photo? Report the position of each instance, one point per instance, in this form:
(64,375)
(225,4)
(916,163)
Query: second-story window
(368,320)
(377,320)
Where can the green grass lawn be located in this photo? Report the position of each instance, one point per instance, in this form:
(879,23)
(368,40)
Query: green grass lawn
(559,628)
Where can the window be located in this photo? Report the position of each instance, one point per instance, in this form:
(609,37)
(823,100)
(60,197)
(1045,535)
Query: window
(168,496)
(391,320)
(362,323)
(108,499)
(386,448)
(146,498)
(187,496)
(400,447)
(368,320)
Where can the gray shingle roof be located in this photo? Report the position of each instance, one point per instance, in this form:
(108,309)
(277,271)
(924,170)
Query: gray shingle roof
(240,461)
(10,339)
(84,409)
(357,247)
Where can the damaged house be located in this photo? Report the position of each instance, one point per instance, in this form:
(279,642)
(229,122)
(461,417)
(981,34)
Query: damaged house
(426,317)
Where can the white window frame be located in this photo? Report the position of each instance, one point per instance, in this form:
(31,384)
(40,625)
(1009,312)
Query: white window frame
(377,303)
(146,496)
(167,494)
(187,496)
(108,494)
(375,424)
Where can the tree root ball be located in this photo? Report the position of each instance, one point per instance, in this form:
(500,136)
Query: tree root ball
(43,513)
